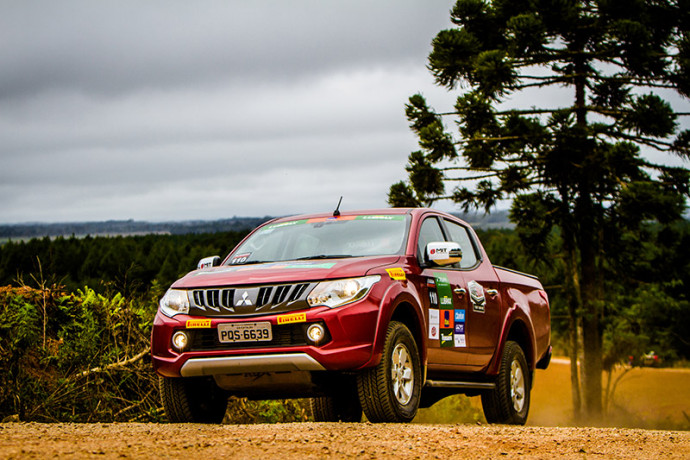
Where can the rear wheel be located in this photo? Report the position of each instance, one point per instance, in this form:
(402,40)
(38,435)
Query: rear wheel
(508,403)
(341,408)
(192,400)
(390,391)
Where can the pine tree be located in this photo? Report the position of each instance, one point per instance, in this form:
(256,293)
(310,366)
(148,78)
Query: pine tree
(581,166)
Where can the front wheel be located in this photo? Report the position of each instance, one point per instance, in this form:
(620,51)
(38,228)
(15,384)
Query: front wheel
(390,391)
(508,403)
(192,400)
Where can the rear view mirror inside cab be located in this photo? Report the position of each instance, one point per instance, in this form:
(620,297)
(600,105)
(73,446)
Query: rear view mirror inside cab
(443,253)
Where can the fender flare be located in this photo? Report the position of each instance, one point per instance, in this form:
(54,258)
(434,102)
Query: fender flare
(397,295)
(516,317)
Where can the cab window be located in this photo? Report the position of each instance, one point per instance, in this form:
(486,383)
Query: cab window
(429,232)
(460,235)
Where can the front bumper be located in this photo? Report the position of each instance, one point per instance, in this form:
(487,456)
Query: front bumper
(288,362)
(351,330)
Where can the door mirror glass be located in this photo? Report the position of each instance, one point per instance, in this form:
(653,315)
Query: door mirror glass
(443,253)
(206,262)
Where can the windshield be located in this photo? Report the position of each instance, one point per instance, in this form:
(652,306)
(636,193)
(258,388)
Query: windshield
(346,236)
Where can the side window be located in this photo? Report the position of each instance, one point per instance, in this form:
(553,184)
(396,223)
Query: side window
(459,234)
(429,232)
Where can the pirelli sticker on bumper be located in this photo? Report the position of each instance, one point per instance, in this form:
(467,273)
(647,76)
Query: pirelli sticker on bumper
(198,323)
(396,273)
(295,318)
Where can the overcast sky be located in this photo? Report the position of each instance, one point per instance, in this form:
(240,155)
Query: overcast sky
(174,110)
(169,110)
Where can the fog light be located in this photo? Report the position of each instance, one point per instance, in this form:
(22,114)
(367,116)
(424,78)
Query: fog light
(180,340)
(315,333)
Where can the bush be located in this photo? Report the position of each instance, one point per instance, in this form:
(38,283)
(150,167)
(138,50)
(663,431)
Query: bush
(75,357)
(84,357)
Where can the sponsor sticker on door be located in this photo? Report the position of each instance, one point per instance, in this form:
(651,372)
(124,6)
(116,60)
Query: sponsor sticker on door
(447,337)
(434,324)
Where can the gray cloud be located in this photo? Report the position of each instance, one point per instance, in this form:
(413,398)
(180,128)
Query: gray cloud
(113,47)
(168,109)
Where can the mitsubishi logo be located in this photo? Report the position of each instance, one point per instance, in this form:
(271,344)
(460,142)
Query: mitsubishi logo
(244,300)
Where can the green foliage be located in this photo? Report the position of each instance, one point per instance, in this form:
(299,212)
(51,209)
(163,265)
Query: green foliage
(241,410)
(576,169)
(74,357)
(128,265)
(401,195)
(77,369)
(453,409)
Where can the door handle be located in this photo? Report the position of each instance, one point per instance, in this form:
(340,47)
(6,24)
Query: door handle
(460,291)
(492,292)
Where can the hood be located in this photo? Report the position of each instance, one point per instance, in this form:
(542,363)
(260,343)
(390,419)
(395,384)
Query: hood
(282,272)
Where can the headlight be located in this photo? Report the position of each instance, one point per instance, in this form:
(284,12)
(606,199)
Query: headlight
(174,302)
(340,292)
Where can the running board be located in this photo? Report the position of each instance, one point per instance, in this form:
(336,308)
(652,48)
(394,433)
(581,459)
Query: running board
(462,385)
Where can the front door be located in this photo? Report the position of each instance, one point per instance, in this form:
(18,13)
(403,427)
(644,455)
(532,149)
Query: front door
(464,306)
(444,288)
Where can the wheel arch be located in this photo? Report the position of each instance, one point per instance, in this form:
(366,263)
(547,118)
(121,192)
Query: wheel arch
(407,314)
(516,330)
(519,333)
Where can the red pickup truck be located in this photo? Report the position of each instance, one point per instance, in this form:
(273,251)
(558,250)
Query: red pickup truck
(380,312)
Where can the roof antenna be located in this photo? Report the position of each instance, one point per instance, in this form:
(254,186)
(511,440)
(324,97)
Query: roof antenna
(336,213)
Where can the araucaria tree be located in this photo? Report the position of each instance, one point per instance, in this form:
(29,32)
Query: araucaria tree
(577,160)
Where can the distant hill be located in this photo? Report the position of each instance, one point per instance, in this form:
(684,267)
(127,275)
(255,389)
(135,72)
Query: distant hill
(127,227)
(498,219)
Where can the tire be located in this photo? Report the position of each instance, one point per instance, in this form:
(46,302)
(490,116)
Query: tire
(390,392)
(508,403)
(336,409)
(192,400)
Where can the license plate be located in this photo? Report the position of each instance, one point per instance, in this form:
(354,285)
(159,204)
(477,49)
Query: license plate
(245,332)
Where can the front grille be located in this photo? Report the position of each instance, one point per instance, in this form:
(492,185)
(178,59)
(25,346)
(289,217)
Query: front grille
(252,300)
(285,335)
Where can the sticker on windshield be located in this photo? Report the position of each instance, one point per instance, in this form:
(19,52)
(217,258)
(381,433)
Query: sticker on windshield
(240,259)
(284,224)
(380,217)
(316,220)
(271,266)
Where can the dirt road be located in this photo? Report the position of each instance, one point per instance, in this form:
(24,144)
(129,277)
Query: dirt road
(335,440)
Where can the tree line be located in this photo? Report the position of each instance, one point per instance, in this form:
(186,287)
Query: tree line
(129,265)
(76,315)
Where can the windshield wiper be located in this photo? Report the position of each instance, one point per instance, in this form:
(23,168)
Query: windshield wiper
(252,262)
(326,256)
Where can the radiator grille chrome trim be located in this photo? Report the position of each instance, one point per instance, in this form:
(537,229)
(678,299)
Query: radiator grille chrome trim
(250,300)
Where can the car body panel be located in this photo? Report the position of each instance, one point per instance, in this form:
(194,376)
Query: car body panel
(482,307)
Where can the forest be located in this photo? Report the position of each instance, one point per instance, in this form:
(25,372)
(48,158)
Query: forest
(76,313)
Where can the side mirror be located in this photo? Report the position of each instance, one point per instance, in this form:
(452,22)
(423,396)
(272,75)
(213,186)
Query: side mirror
(443,253)
(206,262)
